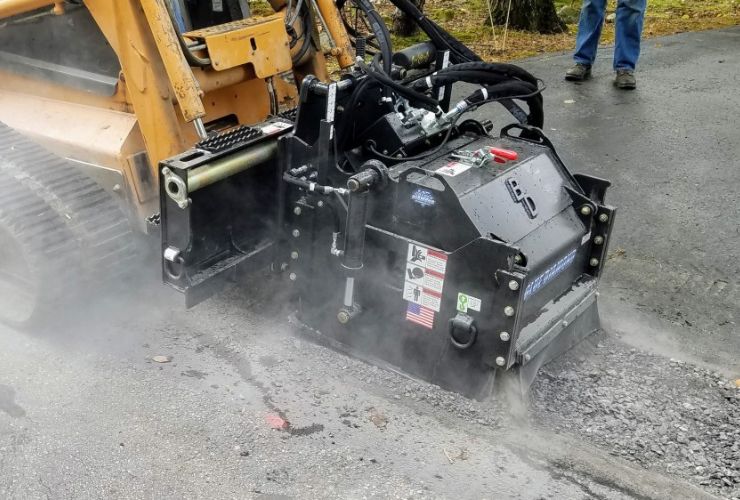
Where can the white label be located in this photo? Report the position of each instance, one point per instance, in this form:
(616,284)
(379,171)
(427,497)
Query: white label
(434,282)
(275,127)
(422,296)
(417,255)
(331,102)
(431,301)
(445,63)
(465,302)
(415,274)
(453,169)
(437,262)
(424,276)
(412,292)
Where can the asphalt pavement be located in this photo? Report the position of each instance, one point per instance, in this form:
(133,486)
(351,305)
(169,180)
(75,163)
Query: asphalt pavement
(243,407)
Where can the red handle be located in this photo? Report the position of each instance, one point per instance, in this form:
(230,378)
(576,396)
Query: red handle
(504,153)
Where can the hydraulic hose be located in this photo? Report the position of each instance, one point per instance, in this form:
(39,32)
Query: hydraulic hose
(509,70)
(306,43)
(377,26)
(418,98)
(191,58)
(513,90)
(442,39)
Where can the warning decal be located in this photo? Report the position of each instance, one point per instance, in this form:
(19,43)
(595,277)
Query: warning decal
(273,127)
(424,278)
(465,302)
(453,169)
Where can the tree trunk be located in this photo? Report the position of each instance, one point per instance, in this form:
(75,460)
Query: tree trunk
(528,15)
(404,25)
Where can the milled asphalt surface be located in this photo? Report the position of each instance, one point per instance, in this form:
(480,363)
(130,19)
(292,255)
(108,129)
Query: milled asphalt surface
(86,413)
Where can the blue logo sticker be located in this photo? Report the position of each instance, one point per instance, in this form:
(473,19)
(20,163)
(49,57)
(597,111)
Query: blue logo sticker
(423,197)
(550,273)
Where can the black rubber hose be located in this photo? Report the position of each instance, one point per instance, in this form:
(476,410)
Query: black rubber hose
(417,98)
(510,70)
(382,35)
(476,77)
(513,90)
(191,58)
(377,26)
(306,45)
(348,119)
(440,37)
(538,120)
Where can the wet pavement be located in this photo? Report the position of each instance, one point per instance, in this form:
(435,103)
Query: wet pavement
(671,150)
(85,412)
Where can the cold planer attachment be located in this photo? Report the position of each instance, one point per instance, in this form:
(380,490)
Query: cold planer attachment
(480,259)
(407,236)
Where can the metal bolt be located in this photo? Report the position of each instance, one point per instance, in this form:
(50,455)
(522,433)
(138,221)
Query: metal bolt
(320,204)
(297,210)
(598,240)
(283,266)
(294,255)
(296,233)
(586,210)
(343,317)
(292,276)
(527,358)
(513,285)
(171,254)
(603,218)
(504,336)
(500,361)
(518,258)
(509,311)
(594,262)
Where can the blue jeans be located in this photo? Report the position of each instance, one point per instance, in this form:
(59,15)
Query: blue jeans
(630,17)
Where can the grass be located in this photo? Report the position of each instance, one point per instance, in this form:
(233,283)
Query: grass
(466,20)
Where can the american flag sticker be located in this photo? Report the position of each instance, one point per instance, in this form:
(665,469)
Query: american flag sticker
(420,315)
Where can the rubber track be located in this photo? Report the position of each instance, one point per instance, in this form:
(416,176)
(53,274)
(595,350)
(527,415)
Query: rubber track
(72,230)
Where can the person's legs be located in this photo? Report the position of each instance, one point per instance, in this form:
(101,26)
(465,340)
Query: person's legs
(630,18)
(589,31)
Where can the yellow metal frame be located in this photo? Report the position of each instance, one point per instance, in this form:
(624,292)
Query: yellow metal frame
(253,41)
(10,8)
(158,92)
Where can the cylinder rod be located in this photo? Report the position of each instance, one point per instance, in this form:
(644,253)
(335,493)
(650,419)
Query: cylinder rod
(226,167)
(200,128)
(349,292)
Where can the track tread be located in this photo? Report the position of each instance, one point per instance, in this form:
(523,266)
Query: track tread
(72,230)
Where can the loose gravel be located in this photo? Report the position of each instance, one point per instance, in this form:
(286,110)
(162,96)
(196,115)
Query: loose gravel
(661,413)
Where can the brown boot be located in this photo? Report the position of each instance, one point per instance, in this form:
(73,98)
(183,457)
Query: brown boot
(578,73)
(625,79)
